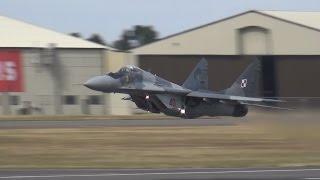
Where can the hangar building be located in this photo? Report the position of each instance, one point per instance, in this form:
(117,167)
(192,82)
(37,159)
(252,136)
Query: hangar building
(42,72)
(287,42)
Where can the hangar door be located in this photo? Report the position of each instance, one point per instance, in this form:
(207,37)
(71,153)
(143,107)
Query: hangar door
(298,76)
(223,70)
(269,79)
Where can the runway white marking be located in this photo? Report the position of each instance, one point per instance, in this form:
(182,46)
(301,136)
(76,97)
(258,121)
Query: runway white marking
(159,173)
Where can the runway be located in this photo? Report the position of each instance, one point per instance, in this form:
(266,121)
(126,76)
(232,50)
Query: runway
(5,124)
(162,174)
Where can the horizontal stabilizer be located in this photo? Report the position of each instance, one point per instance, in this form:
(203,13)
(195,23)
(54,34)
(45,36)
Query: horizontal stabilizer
(213,95)
(266,106)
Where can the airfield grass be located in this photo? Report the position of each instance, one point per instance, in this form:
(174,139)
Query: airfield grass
(247,144)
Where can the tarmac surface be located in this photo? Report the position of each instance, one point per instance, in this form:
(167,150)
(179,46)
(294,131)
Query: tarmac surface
(161,174)
(7,124)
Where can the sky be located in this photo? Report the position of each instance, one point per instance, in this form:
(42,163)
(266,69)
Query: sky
(110,17)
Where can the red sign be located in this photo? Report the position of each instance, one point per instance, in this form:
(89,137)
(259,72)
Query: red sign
(10,71)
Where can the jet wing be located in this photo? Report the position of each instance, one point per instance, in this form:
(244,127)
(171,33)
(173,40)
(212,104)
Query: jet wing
(213,95)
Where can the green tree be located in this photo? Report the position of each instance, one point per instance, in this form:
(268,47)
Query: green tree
(137,36)
(96,38)
(145,34)
(76,34)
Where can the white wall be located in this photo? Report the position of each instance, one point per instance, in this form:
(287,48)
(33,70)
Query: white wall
(114,61)
(78,65)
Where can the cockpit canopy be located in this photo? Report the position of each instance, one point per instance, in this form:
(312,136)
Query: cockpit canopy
(126,70)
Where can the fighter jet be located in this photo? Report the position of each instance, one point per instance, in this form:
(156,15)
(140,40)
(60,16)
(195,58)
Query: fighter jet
(192,99)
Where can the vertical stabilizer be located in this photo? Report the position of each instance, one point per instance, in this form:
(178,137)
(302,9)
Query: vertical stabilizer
(248,84)
(198,79)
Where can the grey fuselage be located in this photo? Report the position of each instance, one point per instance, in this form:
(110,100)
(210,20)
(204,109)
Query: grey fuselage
(154,94)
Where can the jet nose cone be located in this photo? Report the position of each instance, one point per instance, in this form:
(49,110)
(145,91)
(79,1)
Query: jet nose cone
(93,82)
(90,83)
(101,83)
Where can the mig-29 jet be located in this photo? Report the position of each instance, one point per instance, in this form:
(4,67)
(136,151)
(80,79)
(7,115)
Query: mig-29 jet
(190,100)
